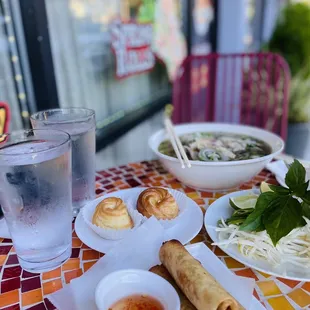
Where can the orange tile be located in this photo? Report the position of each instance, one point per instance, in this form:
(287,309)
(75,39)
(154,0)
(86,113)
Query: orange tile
(157,183)
(71,264)
(74,235)
(76,242)
(306,286)
(90,254)
(52,286)
(98,185)
(1,239)
(197,239)
(264,274)
(118,182)
(232,263)
(31,297)
(88,265)
(56,273)
(72,275)
(248,273)
(206,194)
(193,195)
(12,250)
(200,201)
(244,186)
(218,195)
(269,288)
(203,209)
(301,298)
(124,187)
(219,252)
(289,283)
(175,185)
(280,303)
(84,246)
(2,259)
(211,200)
(9,298)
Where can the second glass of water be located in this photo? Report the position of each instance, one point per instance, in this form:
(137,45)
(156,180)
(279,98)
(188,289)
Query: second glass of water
(81,125)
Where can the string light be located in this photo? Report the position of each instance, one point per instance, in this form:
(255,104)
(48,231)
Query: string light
(18,77)
(22,96)
(16,66)
(25,114)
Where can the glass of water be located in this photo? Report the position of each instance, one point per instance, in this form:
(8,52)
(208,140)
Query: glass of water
(81,125)
(35,195)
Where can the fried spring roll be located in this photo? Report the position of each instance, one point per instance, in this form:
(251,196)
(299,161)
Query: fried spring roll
(204,292)
(163,272)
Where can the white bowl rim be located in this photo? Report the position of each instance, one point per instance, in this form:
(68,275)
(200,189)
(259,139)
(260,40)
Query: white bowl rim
(107,278)
(277,138)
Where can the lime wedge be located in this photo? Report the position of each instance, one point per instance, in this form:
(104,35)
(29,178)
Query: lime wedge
(243,202)
(264,187)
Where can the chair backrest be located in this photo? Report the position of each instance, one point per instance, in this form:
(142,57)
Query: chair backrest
(250,89)
(4,117)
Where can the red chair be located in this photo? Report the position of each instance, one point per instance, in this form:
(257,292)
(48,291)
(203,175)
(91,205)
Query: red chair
(4,117)
(250,89)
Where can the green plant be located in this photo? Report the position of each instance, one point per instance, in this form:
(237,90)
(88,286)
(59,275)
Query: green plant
(291,39)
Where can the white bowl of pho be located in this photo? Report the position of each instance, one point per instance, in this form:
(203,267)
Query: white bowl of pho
(223,156)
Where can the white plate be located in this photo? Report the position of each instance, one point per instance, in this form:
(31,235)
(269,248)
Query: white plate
(221,208)
(222,274)
(184,231)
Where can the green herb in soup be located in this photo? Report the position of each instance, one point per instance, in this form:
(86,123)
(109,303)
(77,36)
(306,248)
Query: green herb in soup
(218,146)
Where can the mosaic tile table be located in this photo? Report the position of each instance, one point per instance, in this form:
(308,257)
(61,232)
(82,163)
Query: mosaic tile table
(24,290)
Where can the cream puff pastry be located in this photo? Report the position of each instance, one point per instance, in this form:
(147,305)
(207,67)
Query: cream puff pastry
(112,213)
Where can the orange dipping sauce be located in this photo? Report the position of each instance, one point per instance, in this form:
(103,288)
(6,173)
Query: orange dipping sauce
(137,302)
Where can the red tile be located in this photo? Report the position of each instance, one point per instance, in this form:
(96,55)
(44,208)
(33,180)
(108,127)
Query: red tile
(49,305)
(39,306)
(27,274)
(5,249)
(10,285)
(31,284)
(11,272)
(75,253)
(290,283)
(12,260)
(99,191)
(14,307)
(133,182)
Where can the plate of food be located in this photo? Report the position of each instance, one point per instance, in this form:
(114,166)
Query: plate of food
(105,221)
(267,229)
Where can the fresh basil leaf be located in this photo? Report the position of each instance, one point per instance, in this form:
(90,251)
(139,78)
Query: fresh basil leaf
(279,189)
(254,220)
(301,190)
(282,217)
(295,176)
(306,197)
(305,210)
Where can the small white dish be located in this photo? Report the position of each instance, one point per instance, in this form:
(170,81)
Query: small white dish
(222,209)
(184,230)
(128,282)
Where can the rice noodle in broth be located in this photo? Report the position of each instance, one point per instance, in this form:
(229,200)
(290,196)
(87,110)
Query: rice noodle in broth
(218,146)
